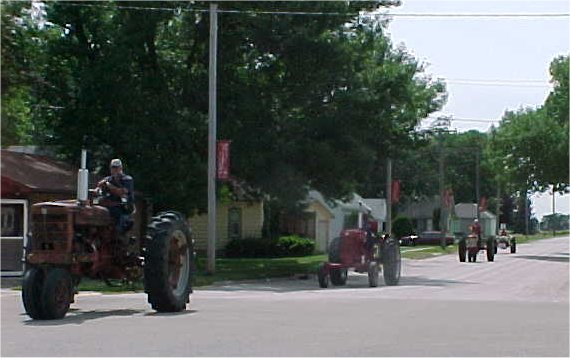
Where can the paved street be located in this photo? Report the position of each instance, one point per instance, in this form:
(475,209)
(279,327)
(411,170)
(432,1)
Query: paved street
(515,306)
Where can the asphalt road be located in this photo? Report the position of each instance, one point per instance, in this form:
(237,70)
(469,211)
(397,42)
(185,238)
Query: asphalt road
(515,306)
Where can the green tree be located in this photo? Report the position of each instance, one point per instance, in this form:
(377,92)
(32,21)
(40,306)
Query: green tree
(530,148)
(133,83)
(24,38)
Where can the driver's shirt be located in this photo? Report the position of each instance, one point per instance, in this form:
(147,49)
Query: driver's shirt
(123,181)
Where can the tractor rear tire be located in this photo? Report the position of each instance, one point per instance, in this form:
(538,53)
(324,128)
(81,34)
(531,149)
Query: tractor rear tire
(392,261)
(339,276)
(322,276)
(57,293)
(373,273)
(513,246)
(462,250)
(334,250)
(169,260)
(32,285)
(491,250)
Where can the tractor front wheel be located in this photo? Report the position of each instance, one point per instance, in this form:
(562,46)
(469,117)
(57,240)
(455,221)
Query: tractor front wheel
(168,262)
(322,276)
(392,261)
(339,276)
(373,273)
(32,285)
(57,293)
(461,250)
(491,250)
(513,246)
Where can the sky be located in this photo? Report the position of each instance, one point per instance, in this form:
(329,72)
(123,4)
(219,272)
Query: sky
(490,65)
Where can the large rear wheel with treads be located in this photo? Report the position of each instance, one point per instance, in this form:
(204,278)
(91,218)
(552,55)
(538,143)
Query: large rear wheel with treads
(169,260)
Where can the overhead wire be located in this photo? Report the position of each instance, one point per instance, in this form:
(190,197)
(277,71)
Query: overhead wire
(507,83)
(322,13)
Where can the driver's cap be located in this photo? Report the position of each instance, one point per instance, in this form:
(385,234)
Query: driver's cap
(116,163)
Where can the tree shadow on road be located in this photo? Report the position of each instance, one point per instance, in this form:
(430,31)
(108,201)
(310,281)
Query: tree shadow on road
(355,280)
(167,314)
(424,281)
(76,316)
(544,258)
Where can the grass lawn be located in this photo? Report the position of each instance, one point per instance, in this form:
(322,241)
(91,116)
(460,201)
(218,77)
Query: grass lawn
(542,235)
(426,251)
(230,270)
(248,269)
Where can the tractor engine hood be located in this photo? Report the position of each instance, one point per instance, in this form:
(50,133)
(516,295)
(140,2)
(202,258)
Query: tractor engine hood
(84,214)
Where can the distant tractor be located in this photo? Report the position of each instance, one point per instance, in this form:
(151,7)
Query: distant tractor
(363,249)
(469,246)
(73,239)
(506,241)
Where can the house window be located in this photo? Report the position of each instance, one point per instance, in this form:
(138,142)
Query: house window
(12,220)
(234,223)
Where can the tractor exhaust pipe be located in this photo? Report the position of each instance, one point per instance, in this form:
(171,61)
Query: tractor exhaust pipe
(83,179)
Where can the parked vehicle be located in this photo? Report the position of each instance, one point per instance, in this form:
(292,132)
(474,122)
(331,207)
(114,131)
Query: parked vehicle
(433,238)
(409,240)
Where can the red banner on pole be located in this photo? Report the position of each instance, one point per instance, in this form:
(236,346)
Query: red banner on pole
(483,204)
(447,198)
(223,159)
(395,191)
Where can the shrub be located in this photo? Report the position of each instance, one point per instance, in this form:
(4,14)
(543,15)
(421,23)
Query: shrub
(294,246)
(281,247)
(402,226)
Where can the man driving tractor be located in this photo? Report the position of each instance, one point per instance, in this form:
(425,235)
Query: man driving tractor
(119,196)
(476,229)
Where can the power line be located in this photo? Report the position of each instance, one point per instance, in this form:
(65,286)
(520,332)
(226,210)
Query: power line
(497,84)
(495,80)
(311,13)
(483,15)
(477,120)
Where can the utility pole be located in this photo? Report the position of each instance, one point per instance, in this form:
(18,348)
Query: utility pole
(212,140)
(553,211)
(389,196)
(526,211)
(439,128)
(477,181)
(442,226)
(498,226)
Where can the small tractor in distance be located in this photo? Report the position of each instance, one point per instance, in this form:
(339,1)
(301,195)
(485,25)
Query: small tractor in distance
(506,240)
(469,246)
(363,249)
(72,239)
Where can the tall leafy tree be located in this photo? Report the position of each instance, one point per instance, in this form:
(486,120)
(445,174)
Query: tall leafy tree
(308,101)
(530,148)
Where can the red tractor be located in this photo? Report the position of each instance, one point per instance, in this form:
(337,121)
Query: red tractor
(78,238)
(363,249)
(469,246)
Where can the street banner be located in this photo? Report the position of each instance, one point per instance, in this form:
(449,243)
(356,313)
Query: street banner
(395,191)
(483,204)
(223,159)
